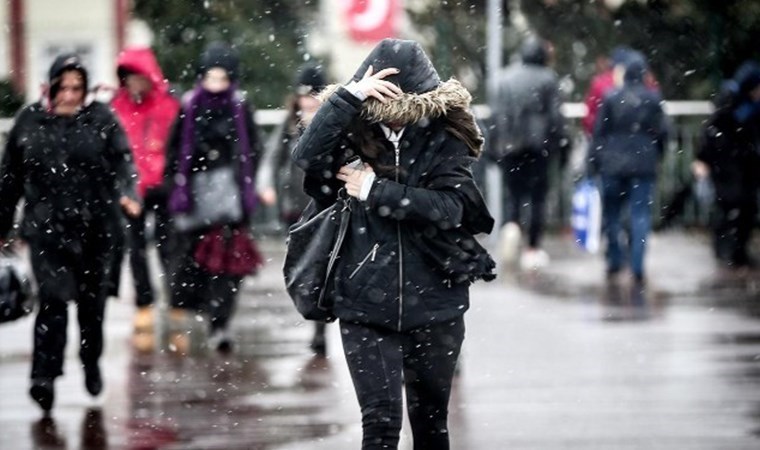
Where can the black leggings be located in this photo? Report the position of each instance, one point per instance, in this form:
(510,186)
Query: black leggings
(381,361)
(138,246)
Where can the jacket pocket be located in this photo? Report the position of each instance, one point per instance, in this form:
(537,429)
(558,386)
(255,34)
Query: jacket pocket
(374,277)
(371,255)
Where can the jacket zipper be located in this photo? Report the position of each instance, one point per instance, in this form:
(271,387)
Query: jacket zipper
(370,256)
(400,252)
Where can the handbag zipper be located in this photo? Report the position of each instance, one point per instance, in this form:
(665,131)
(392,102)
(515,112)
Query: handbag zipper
(370,256)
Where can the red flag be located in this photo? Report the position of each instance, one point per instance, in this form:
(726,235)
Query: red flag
(372,20)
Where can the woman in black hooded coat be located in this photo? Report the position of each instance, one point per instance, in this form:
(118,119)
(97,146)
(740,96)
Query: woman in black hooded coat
(403,275)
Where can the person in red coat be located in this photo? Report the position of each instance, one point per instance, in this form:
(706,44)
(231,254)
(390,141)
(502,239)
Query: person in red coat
(607,80)
(147,111)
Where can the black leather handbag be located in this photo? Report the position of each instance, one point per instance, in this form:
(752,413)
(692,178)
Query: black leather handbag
(16,299)
(313,245)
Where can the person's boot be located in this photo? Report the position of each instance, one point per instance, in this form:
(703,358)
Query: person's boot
(221,340)
(179,324)
(93,382)
(143,337)
(318,341)
(144,319)
(42,391)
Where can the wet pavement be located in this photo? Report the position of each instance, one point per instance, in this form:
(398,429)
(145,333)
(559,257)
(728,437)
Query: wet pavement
(559,359)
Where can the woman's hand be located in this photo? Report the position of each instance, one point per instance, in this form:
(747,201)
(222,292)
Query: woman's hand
(375,86)
(354,178)
(268,196)
(131,207)
(700,169)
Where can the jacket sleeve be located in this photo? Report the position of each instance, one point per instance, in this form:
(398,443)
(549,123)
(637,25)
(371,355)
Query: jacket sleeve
(172,151)
(256,148)
(601,130)
(317,151)
(11,180)
(449,197)
(269,166)
(558,133)
(662,128)
(120,155)
(593,101)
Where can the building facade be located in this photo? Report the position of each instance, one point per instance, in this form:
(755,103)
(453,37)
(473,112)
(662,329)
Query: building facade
(34,32)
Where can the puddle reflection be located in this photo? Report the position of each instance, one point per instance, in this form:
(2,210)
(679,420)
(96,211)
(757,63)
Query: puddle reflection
(628,302)
(93,436)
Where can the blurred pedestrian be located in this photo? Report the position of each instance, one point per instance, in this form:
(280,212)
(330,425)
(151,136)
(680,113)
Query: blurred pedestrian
(69,158)
(602,84)
(146,110)
(215,135)
(279,180)
(730,155)
(403,275)
(611,71)
(628,141)
(530,130)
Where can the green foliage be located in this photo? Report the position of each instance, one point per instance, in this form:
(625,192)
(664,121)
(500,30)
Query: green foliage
(691,44)
(268,34)
(10,100)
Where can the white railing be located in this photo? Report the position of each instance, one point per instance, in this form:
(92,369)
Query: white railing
(271,117)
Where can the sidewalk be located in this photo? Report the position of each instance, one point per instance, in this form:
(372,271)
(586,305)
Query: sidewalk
(551,361)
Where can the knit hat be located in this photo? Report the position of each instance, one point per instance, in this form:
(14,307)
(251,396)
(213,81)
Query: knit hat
(64,63)
(219,54)
(747,77)
(533,51)
(310,79)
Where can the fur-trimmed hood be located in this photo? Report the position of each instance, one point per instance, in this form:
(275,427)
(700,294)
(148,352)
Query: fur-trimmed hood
(450,100)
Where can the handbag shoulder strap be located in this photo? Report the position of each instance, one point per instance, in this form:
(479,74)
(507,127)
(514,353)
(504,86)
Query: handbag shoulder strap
(345,216)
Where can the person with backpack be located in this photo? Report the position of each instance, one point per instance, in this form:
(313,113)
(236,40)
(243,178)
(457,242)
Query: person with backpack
(529,130)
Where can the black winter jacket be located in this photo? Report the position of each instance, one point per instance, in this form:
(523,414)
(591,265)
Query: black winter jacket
(71,172)
(630,133)
(527,113)
(216,142)
(410,254)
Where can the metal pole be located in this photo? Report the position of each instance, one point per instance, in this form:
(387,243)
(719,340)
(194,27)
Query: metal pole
(493,67)
(493,54)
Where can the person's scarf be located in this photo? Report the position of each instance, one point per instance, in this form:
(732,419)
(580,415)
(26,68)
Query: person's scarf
(181,199)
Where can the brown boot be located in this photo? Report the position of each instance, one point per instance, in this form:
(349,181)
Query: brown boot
(144,319)
(179,329)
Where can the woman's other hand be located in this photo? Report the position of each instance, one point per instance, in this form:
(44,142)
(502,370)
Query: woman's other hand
(268,196)
(131,207)
(354,178)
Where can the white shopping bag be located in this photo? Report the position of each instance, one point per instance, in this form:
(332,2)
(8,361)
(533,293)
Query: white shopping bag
(586,219)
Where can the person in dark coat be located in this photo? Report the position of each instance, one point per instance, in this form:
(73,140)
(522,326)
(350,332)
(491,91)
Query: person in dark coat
(147,111)
(529,130)
(279,179)
(628,141)
(402,279)
(215,130)
(71,162)
(730,155)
